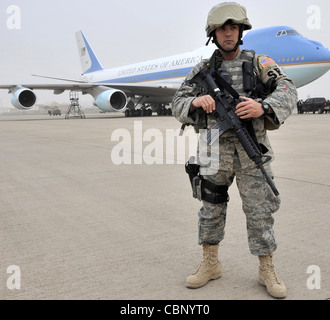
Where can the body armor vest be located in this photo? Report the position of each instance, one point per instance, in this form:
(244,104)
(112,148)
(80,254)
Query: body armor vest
(234,69)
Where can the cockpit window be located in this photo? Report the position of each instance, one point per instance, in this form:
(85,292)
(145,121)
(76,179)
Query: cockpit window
(287,32)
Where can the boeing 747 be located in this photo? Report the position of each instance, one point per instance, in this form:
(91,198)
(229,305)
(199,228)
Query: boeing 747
(141,88)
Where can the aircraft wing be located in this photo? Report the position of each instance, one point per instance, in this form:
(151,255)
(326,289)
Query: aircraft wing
(140,90)
(109,97)
(47,86)
(131,89)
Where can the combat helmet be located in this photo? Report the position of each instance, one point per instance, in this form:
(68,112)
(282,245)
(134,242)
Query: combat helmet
(223,13)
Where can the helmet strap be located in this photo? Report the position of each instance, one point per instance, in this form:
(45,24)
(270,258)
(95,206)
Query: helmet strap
(208,41)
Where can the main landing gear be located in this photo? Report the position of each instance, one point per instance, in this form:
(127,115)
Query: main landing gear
(146,110)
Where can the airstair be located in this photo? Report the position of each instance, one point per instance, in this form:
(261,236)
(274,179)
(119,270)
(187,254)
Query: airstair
(75,109)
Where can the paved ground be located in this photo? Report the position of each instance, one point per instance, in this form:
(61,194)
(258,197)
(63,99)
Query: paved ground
(79,226)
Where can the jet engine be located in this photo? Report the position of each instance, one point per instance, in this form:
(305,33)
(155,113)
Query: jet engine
(111,100)
(23,99)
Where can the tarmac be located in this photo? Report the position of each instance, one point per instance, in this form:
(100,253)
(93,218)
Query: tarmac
(78,225)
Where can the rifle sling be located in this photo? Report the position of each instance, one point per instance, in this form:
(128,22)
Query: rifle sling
(225,85)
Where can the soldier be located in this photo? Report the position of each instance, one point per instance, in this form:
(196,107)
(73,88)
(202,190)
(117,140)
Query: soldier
(192,106)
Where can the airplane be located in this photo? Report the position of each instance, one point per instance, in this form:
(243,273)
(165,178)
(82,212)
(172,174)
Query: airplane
(142,88)
(303,60)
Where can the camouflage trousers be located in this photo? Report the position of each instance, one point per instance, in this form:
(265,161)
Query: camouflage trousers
(258,203)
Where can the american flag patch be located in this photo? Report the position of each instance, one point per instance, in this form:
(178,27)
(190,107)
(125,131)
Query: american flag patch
(83,51)
(266,62)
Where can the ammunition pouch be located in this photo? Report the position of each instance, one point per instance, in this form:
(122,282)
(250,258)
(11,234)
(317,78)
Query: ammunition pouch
(203,189)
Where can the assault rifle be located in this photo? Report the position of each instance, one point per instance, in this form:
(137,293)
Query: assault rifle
(227,119)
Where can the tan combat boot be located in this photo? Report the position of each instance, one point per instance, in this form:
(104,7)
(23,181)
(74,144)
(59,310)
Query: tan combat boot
(268,277)
(209,269)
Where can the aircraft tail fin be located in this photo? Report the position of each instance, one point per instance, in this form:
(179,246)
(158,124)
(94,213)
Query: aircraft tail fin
(88,59)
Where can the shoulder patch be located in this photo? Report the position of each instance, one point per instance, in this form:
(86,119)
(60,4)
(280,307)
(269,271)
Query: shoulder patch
(266,62)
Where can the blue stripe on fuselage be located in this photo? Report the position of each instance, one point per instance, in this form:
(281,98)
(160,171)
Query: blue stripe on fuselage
(161,75)
(179,73)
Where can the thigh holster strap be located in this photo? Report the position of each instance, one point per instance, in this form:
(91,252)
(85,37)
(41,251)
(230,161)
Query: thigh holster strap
(218,194)
(204,189)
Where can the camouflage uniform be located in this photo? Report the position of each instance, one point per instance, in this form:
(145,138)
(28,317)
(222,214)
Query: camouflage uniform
(259,202)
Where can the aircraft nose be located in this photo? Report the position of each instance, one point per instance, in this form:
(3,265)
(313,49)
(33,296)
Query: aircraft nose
(323,53)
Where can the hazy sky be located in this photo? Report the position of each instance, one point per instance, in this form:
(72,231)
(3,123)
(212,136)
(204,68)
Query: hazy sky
(128,31)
